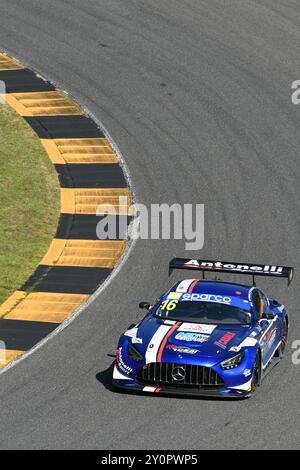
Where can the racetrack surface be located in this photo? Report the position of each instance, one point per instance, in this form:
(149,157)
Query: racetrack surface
(197,96)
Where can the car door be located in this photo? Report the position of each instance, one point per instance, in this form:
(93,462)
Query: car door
(269,328)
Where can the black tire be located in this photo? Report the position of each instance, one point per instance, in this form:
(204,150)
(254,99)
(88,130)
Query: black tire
(256,373)
(284,339)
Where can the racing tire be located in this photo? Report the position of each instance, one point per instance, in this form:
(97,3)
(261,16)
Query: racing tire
(284,339)
(256,373)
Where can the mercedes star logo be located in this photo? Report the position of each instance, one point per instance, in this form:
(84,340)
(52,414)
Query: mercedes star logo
(178,373)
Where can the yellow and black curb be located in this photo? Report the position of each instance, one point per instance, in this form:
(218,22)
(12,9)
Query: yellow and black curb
(90,175)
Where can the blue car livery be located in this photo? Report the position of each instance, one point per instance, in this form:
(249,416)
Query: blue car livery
(205,337)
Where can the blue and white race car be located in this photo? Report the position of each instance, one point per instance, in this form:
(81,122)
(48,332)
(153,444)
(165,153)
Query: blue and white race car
(205,337)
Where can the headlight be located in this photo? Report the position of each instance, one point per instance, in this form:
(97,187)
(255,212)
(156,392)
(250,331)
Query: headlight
(233,361)
(133,353)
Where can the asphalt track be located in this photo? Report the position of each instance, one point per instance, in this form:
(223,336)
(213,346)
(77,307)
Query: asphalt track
(197,96)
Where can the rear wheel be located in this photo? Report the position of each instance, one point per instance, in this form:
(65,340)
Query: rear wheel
(284,339)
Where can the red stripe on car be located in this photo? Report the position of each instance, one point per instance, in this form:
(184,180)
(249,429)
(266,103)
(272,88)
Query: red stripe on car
(163,343)
(193,285)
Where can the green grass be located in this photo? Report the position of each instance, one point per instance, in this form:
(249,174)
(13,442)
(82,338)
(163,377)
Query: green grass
(29,201)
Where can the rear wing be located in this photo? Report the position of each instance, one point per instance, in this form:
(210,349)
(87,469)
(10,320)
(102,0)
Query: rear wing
(233,268)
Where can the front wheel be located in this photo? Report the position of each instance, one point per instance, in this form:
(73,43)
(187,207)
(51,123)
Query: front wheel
(256,373)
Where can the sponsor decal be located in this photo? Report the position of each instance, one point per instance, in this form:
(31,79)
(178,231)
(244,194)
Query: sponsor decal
(180,350)
(192,337)
(174,295)
(222,342)
(197,328)
(121,364)
(247,372)
(137,340)
(234,267)
(206,298)
(270,338)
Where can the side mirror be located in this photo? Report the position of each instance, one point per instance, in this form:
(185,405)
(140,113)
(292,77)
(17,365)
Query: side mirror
(144,305)
(268,316)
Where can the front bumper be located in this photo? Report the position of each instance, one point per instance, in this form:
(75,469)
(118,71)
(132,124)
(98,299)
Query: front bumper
(223,392)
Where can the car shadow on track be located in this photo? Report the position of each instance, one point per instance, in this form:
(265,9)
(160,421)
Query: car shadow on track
(105,378)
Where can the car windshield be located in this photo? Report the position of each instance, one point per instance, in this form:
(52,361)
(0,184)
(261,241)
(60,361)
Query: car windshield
(204,312)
